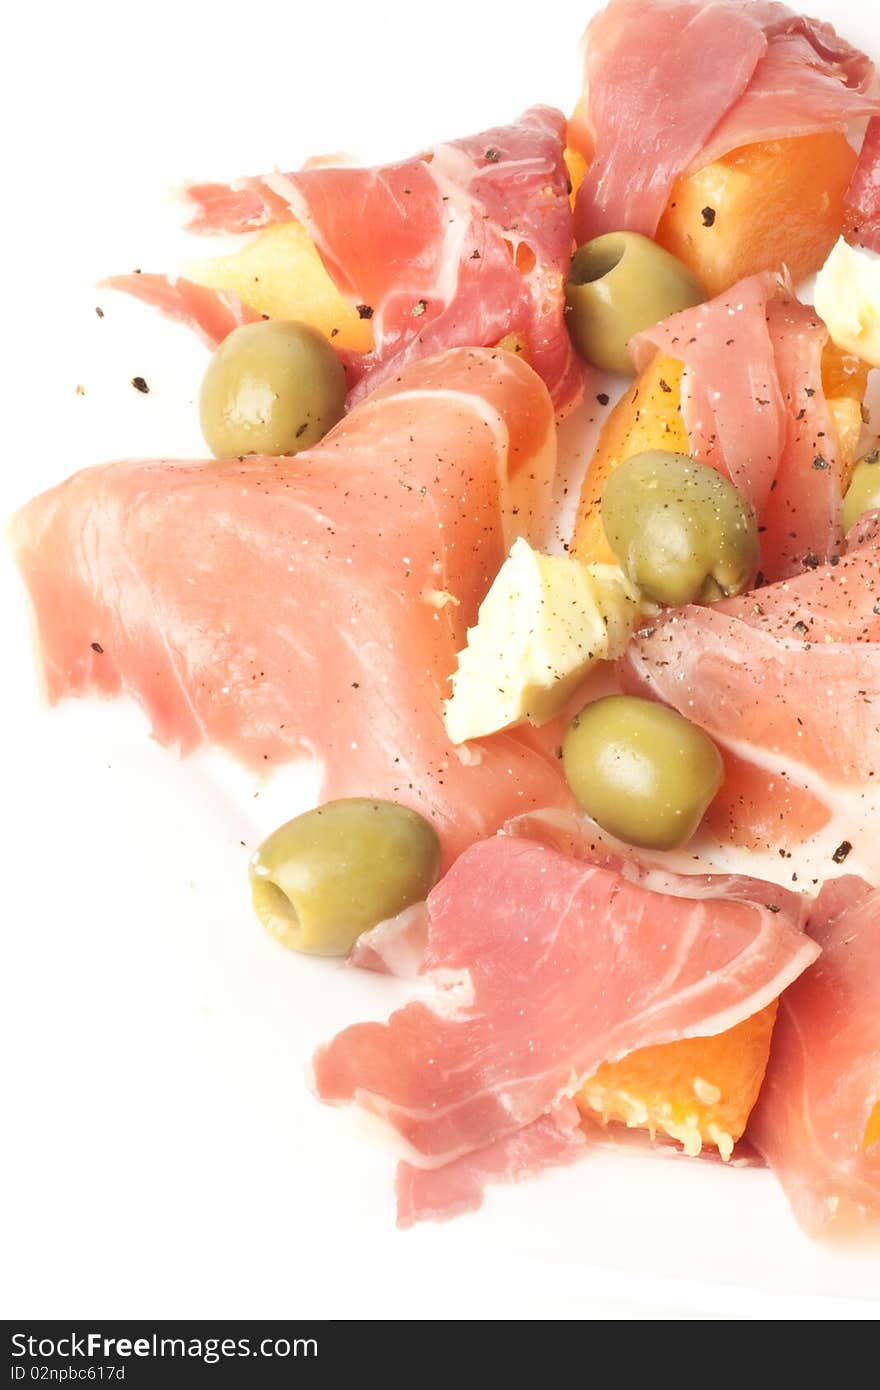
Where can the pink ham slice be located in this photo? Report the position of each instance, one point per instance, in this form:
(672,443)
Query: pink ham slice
(786,681)
(459,247)
(670,85)
(822,1087)
(438,1194)
(863,195)
(312,605)
(544,966)
(211,313)
(754,408)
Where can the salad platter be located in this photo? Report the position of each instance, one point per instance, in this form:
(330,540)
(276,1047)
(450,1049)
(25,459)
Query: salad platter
(478,734)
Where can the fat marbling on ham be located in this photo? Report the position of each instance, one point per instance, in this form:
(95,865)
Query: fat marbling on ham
(542,967)
(817,1121)
(460,246)
(314,605)
(670,85)
(754,407)
(786,680)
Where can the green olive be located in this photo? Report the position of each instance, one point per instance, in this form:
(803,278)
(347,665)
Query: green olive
(619,284)
(320,880)
(643,772)
(274,387)
(680,530)
(863,493)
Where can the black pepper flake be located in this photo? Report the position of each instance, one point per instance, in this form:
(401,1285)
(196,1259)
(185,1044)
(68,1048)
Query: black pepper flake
(140,384)
(872,457)
(334,332)
(809,391)
(603,398)
(96,647)
(475,255)
(364,311)
(811,561)
(821,463)
(302,429)
(800,629)
(99,311)
(419,309)
(877,607)
(842,852)
(664,386)
(772,907)
(708,215)
(493,156)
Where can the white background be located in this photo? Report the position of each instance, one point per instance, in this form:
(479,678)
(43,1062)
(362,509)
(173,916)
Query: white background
(162,1155)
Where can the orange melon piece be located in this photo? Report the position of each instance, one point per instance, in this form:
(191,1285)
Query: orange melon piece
(845,381)
(699,1091)
(648,416)
(759,207)
(279,273)
(872,1129)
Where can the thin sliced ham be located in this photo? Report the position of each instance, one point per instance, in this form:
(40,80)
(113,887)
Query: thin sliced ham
(461,246)
(438,1194)
(754,408)
(313,605)
(862,202)
(211,313)
(670,85)
(817,1121)
(543,966)
(786,680)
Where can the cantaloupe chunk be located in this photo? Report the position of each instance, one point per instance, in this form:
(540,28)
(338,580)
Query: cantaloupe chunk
(648,416)
(279,273)
(757,208)
(872,1129)
(699,1091)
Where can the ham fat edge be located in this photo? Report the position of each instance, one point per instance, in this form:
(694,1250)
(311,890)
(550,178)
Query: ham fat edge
(541,967)
(313,606)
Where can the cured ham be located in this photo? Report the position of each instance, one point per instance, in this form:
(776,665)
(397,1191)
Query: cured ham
(211,313)
(817,1122)
(437,1194)
(543,966)
(461,246)
(863,196)
(312,605)
(757,343)
(786,681)
(670,85)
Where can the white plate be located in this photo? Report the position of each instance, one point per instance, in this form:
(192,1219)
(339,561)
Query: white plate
(165,1157)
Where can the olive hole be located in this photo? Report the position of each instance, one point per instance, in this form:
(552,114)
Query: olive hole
(594,262)
(274,908)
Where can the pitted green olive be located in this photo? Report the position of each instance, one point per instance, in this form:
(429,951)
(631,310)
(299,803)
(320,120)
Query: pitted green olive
(274,387)
(680,530)
(620,284)
(320,880)
(863,493)
(642,771)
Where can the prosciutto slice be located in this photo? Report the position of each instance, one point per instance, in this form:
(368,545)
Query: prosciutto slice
(437,1194)
(670,85)
(211,313)
(460,246)
(754,408)
(862,201)
(817,1122)
(541,967)
(313,605)
(786,680)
